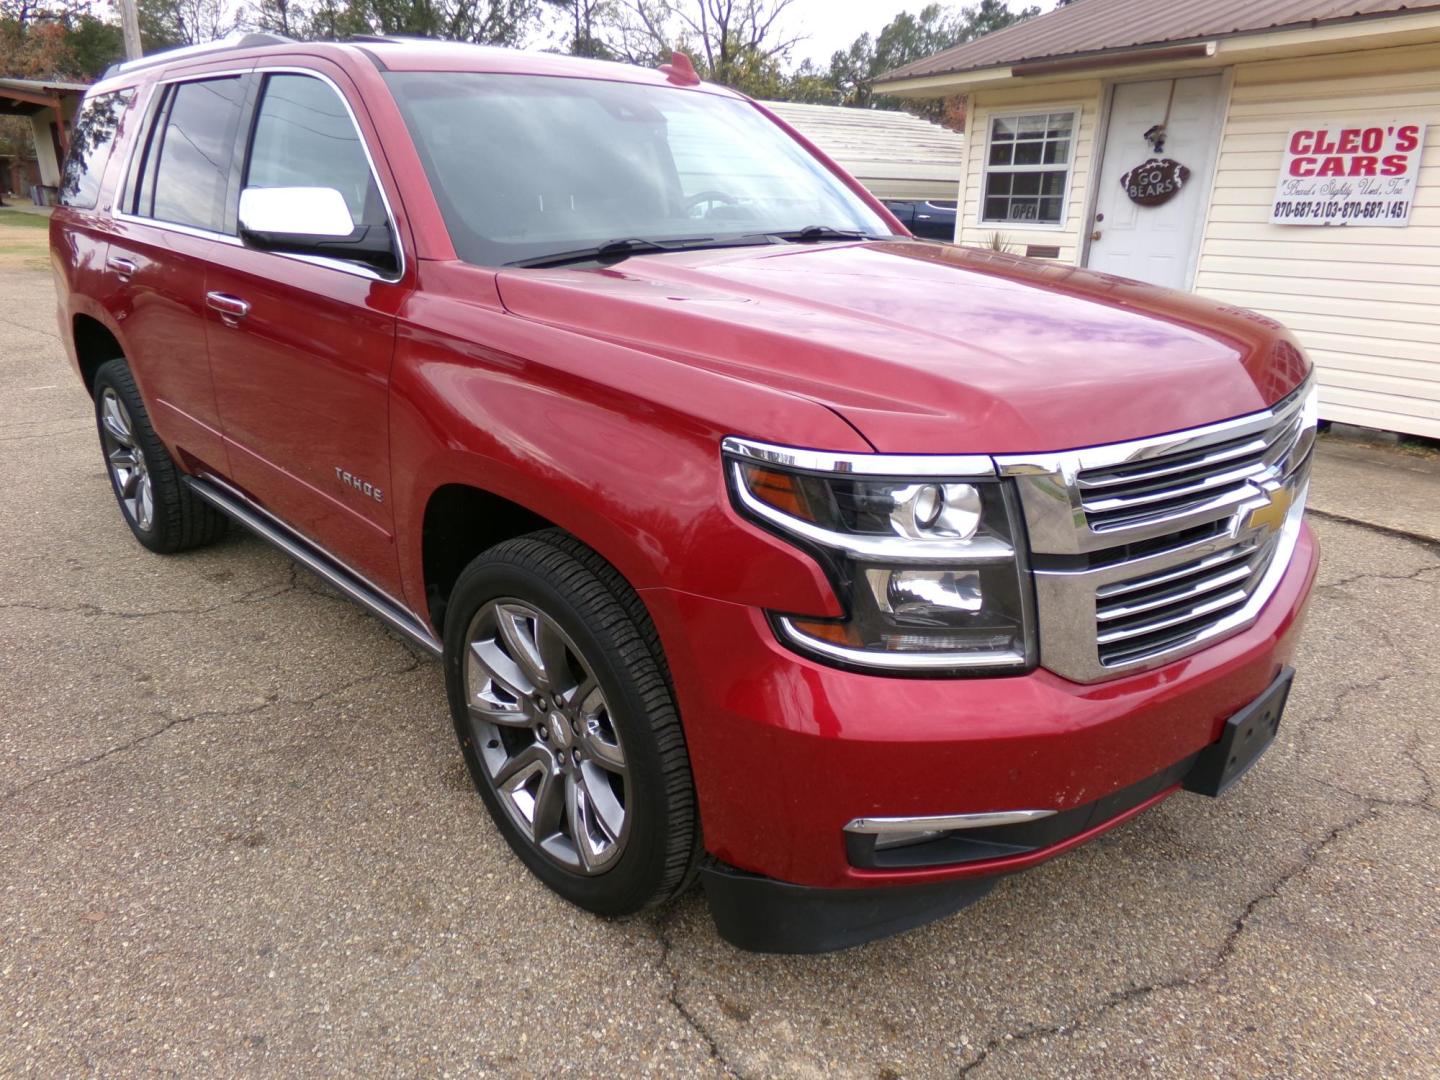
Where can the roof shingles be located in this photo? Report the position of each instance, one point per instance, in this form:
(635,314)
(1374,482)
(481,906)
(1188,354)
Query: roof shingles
(1096,26)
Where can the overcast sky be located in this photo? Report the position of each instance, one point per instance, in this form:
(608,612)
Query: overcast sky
(831,25)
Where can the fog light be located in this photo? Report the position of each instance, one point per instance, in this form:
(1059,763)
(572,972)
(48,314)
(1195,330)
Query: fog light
(906,838)
(926,592)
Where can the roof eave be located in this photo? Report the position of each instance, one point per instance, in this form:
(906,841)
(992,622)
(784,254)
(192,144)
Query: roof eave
(1353,33)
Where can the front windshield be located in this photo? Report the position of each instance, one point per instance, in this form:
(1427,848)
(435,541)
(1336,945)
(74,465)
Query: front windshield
(525,166)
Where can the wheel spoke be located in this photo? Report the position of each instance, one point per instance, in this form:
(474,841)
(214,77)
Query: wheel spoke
(549,806)
(524,781)
(117,422)
(597,743)
(606,810)
(145,502)
(517,631)
(577,809)
(554,656)
(485,710)
(500,669)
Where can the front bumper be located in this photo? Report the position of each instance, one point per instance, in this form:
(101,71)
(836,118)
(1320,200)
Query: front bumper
(787,751)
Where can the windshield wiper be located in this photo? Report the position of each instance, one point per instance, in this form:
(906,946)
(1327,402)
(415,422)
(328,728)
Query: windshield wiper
(811,234)
(614,251)
(607,254)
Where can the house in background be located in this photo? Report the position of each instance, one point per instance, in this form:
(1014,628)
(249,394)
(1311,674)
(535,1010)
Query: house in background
(49,106)
(1278,155)
(895,155)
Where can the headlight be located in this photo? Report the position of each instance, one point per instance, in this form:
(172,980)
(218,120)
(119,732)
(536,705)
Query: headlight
(930,568)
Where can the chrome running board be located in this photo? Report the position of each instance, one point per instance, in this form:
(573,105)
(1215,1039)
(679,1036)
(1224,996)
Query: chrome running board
(268,527)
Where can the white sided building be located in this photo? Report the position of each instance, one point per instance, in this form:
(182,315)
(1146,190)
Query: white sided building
(1279,155)
(895,155)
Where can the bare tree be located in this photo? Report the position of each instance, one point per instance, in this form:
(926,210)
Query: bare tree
(730,38)
(588,17)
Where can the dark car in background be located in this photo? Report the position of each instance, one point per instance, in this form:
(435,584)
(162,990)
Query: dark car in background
(933,219)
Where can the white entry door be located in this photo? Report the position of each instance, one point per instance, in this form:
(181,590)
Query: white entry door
(1157,244)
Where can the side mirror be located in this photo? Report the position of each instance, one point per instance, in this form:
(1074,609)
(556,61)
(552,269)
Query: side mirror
(312,221)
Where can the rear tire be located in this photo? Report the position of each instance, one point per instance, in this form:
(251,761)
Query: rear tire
(161,511)
(567,722)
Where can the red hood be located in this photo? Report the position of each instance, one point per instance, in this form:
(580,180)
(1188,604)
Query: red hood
(928,348)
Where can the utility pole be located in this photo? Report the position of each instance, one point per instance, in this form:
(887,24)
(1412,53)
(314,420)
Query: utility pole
(130,24)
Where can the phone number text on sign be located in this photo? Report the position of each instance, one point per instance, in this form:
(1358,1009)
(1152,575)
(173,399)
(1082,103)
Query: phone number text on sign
(1349,174)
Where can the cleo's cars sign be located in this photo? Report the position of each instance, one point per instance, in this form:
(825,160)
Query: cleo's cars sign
(1349,174)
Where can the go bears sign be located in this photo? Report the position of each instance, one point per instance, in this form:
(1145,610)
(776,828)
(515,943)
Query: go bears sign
(1349,174)
(1155,182)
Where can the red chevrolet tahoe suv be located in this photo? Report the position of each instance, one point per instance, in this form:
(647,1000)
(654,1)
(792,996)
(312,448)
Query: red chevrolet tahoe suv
(760,540)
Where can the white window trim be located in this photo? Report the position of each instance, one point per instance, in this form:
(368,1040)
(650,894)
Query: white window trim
(1077,111)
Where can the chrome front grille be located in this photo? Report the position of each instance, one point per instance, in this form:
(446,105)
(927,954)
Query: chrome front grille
(1138,492)
(1147,551)
(1151,614)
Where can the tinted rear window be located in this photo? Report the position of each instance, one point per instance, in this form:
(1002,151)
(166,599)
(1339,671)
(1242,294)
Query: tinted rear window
(190,179)
(90,144)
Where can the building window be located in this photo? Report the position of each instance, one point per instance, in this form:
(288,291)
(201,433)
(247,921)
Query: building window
(1028,167)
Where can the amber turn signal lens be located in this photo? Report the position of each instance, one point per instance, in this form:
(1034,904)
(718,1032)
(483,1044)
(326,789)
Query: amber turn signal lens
(836,633)
(778,489)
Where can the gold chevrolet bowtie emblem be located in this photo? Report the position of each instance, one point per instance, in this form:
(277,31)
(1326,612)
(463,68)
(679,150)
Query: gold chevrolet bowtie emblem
(1271,516)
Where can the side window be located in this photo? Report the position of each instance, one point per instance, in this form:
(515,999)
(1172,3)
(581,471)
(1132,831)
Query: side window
(304,137)
(91,141)
(189,178)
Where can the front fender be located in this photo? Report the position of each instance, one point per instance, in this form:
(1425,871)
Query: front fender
(619,447)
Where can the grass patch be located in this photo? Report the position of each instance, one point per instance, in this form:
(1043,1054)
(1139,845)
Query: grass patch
(24,240)
(17,219)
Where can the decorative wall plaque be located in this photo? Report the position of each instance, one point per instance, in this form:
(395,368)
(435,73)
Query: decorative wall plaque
(1156,181)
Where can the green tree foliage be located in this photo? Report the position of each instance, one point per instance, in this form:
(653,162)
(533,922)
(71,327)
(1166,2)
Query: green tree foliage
(908,38)
(63,40)
(487,22)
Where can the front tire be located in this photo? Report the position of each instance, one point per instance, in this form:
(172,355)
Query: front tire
(568,725)
(156,504)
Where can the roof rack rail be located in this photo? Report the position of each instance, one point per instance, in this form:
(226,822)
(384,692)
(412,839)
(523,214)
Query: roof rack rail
(236,39)
(397,39)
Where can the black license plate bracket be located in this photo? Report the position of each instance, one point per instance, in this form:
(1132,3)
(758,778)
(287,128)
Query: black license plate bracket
(1247,735)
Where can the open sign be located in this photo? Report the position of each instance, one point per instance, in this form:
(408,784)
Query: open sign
(1156,181)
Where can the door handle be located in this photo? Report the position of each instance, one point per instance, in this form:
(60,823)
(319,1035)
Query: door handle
(230,307)
(1095,235)
(123,267)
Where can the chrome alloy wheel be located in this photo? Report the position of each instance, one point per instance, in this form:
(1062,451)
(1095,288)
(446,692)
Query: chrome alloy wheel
(543,730)
(126,461)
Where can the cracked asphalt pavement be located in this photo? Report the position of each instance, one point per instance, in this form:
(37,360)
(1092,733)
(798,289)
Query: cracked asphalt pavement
(236,837)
